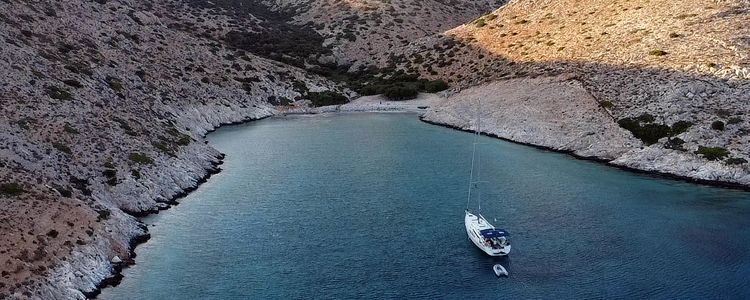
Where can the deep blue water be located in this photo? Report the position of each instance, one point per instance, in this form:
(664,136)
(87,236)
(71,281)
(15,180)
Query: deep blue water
(371,206)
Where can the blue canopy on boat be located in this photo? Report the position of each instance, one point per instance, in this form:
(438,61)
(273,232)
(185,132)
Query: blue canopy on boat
(493,233)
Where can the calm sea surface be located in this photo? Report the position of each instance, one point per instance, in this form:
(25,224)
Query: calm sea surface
(371,206)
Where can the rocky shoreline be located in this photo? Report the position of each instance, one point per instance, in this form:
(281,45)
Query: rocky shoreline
(357,105)
(604,161)
(558,113)
(117,268)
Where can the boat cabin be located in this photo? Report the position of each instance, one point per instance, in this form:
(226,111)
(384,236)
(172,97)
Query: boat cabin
(495,238)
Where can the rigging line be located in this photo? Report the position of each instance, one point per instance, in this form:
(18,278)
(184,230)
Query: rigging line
(479,156)
(471,176)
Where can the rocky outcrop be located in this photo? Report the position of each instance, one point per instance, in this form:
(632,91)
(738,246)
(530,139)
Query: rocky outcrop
(104,105)
(674,74)
(558,113)
(555,113)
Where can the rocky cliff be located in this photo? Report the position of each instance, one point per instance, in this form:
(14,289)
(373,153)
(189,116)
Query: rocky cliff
(674,75)
(105,104)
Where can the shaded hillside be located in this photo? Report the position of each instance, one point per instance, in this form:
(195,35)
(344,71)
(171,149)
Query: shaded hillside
(325,33)
(104,107)
(649,64)
(259,27)
(106,103)
(361,31)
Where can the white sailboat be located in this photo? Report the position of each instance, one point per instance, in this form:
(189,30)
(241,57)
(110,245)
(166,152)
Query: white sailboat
(482,233)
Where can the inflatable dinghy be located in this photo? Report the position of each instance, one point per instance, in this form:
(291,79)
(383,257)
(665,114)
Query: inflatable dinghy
(500,270)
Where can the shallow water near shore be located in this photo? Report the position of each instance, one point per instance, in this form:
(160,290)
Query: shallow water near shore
(369,205)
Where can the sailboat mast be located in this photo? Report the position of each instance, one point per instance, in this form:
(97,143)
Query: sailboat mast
(471,176)
(479,156)
(475,161)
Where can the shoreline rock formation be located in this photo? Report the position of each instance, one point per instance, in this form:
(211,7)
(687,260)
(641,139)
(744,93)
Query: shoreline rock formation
(105,102)
(572,122)
(674,75)
(105,107)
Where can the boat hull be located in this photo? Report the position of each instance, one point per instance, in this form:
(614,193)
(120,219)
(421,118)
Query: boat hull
(473,226)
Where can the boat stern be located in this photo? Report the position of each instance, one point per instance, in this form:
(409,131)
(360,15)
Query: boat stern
(502,251)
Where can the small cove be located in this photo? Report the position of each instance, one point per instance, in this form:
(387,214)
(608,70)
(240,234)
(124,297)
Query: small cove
(371,206)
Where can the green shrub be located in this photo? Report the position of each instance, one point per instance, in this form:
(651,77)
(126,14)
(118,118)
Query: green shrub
(111,175)
(435,86)
(300,87)
(164,148)
(651,133)
(80,67)
(136,174)
(606,104)
(114,83)
(140,158)
(646,118)
(25,123)
(643,128)
(723,113)
(685,16)
(480,22)
(680,127)
(59,93)
(369,90)
(734,120)
(717,125)
(62,148)
(648,133)
(712,153)
(657,52)
(735,161)
(74,83)
(52,233)
(70,129)
(184,140)
(103,214)
(11,189)
(675,144)
(400,92)
(326,98)
(63,191)
(125,126)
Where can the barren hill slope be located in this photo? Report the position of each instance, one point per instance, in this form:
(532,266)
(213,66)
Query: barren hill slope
(105,103)
(326,32)
(675,74)
(104,107)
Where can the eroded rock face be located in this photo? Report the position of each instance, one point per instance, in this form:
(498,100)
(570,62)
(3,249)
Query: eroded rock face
(660,160)
(555,112)
(104,105)
(664,62)
(558,113)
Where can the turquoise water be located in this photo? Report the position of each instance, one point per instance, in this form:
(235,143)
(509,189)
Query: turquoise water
(371,206)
